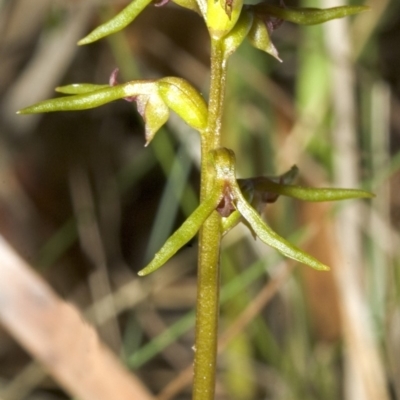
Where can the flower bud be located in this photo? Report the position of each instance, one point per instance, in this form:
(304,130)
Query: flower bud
(185,100)
(222,16)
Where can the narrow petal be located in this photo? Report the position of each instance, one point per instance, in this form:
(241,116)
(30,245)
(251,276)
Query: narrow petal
(230,222)
(307,16)
(119,22)
(271,238)
(239,32)
(184,233)
(259,37)
(155,114)
(77,102)
(80,88)
(86,99)
(311,194)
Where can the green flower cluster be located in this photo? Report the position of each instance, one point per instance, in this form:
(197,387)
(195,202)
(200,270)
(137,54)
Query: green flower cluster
(229,22)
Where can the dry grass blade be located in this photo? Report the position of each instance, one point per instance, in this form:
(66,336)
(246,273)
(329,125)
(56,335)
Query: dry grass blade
(43,323)
(20,387)
(365,376)
(49,64)
(91,241)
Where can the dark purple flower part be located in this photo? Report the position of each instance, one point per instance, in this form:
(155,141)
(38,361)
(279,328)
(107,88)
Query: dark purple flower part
(229,7)
(256,192)
(226,207)
(272,23)
(113,77)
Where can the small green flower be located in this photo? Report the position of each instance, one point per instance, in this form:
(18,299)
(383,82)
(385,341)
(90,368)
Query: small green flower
(154,99)
(305,16)
(257,22)
(268,17)
(228,199)
(223,16)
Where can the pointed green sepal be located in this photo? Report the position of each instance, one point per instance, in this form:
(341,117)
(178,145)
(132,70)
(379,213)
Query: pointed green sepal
(80,88)
(77,102)
(86,100)
(236,36)
(259,37)
(307,16)
(230,222)
(184,233)
(271,238)
(119,22)
(155,113)
(153,99)
(310,194)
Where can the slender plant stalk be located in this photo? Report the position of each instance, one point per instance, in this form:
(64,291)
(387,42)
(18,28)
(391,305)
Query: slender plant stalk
(212,135)
(209,242)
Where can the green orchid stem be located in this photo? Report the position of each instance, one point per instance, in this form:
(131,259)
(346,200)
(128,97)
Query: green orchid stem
(207,310)
(212,135)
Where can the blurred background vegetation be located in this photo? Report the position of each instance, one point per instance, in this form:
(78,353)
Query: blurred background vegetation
(87,205)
